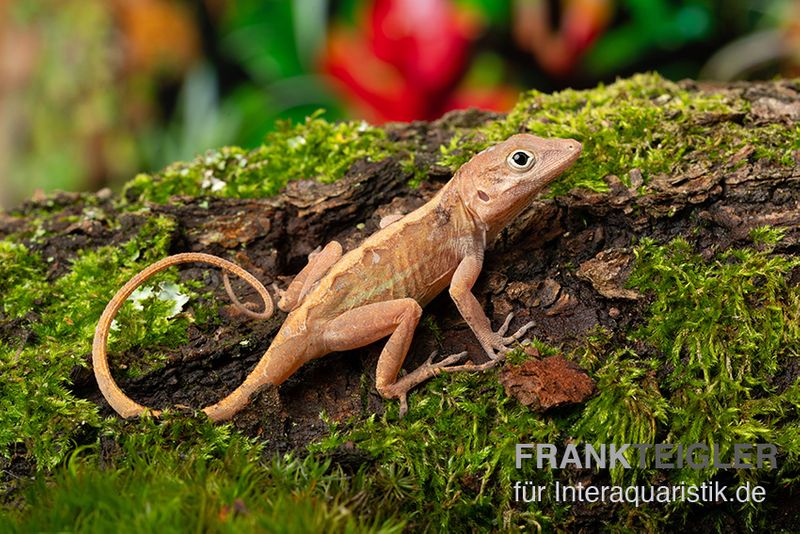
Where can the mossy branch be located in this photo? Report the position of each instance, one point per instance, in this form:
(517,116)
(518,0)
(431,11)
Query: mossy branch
(665,262)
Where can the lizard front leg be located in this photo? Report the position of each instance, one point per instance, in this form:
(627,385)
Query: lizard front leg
(319,263)
(367,324)
(494,343)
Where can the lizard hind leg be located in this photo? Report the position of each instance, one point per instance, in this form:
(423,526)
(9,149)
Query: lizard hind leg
(397,319)
(123,404)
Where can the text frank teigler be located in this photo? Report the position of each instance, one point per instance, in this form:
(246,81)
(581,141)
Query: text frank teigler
(643,455)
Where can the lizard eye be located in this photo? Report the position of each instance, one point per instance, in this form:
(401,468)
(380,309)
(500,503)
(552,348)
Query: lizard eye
(521,160)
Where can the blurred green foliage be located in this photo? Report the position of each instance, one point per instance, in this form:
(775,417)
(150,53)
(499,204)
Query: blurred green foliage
(95,92)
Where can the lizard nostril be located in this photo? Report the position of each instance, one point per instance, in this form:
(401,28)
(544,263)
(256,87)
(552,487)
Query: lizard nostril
(483,196)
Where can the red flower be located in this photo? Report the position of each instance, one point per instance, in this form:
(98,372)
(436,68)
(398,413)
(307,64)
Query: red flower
(559,50)
(406,60)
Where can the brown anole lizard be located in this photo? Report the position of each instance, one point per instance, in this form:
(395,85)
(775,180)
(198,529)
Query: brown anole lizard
(342,302)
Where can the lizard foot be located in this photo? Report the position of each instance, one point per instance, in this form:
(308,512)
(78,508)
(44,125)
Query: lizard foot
(430,369)
(314,253)
(279,296)
(497,345)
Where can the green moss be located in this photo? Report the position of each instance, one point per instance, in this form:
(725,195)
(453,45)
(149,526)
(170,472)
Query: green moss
(451,457)
(629,408)
(190,475)
(37,409)
(519,354)
(644,122)
(596,343)
(22,279)
(316,149)
(416,170)
(449,463)
(717,333)
(767,236)
(725,327)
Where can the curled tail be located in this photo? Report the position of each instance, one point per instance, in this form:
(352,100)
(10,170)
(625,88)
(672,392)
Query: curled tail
(123,404)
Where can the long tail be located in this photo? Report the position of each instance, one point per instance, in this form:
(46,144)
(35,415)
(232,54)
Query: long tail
(123,404)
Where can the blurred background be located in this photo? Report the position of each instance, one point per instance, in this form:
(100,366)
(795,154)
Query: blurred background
(93,91)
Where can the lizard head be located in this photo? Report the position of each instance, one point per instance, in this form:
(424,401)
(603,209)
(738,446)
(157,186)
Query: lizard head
(500,182)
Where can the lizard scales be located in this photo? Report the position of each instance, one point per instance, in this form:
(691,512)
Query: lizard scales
(341,302)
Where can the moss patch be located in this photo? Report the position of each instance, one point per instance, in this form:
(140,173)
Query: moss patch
(718,331)
(188,474)
(644,122)
(37,409)
(725,327)
(315,149)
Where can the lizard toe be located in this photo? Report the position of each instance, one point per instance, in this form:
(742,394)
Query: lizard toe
(403,405)
(504,328)
(519,333)
(450,360)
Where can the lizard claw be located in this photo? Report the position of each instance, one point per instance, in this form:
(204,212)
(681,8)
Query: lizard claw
(278,292)
(280,295)
(314,253)
(453,358)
